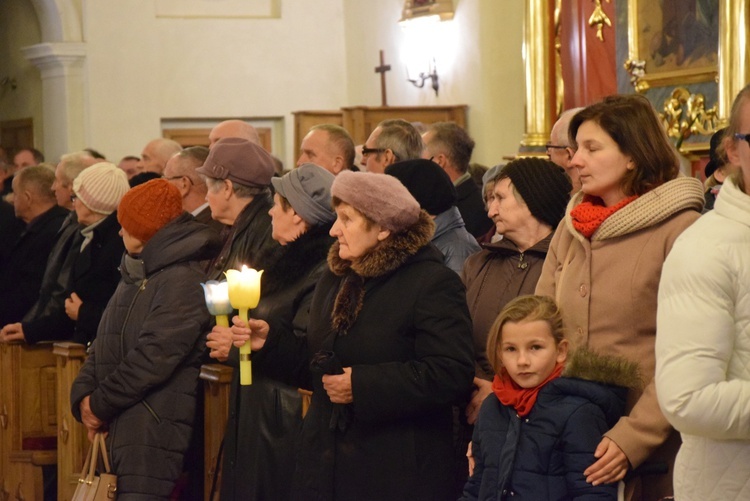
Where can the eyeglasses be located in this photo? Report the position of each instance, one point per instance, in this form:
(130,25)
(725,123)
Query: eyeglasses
(743,137)
(366,151)
(555,146)
(73,198)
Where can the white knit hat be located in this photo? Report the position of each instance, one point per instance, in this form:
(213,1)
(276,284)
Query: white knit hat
(100,187)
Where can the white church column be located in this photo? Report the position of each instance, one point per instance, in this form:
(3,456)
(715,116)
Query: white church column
(61,68)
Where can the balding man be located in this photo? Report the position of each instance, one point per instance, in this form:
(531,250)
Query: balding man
(392,141)
(329,146)
(233,128)
(67,170)
(22,270)
(156,153)
(180,171)
(559,148)
(449,145)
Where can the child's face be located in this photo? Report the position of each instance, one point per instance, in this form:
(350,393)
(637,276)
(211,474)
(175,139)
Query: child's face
(529,353)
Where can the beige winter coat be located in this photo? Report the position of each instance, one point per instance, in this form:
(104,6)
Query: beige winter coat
(607,292)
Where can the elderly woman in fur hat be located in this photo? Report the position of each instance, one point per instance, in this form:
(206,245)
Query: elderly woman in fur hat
(391,338)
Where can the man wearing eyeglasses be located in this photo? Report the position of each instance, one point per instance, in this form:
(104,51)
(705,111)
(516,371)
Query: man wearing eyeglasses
(392,141)
(559,150)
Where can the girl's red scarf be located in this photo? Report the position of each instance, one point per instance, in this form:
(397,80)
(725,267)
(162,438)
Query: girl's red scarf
(521,399)
(591,213)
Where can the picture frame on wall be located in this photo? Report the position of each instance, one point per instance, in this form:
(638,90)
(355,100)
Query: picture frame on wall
(676,41)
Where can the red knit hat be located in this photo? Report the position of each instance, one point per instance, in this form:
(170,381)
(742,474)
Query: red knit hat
(148,207)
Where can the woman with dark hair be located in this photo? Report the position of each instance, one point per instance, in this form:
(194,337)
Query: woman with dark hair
(391,338)
(604,264)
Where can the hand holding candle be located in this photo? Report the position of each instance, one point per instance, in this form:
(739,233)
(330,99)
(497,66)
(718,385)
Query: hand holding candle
(244,294)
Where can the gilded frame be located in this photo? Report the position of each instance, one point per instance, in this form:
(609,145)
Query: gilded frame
(691,74)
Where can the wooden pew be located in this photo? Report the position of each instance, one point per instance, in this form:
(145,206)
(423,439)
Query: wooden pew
(72,443)
(217,383)
(28,419)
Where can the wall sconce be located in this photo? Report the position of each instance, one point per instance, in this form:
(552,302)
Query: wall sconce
(420,21)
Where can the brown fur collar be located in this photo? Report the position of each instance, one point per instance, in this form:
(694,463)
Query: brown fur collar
(386,257)
(608,369)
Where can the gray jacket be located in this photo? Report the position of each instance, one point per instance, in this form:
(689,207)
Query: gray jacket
(452,239)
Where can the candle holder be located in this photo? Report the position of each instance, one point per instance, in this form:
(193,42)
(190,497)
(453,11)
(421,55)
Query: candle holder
(244,295)
(217,301)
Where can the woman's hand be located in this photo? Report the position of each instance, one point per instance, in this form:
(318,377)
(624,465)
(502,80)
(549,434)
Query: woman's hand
(339,387)
(482,389)
(255,330)
(612,464)
(72,305)
(219,341)
(472,461)
(90,421)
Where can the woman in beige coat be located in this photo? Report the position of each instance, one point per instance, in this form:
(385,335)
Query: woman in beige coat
(603,268)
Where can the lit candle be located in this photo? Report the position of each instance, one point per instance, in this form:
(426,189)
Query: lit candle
(244,294)
(217,301)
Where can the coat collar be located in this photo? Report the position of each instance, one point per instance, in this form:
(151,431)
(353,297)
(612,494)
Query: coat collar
(650,209)
(733,203)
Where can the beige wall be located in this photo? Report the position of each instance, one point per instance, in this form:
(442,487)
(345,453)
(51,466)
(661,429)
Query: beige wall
(141,69)
(19,28)
(482,67)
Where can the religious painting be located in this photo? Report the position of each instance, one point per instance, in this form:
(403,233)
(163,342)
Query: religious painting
(675,41)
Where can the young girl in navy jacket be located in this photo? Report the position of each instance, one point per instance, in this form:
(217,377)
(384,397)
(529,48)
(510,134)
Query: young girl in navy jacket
(537,434)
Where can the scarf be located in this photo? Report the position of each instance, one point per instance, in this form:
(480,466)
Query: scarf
(591,213)
(521,399)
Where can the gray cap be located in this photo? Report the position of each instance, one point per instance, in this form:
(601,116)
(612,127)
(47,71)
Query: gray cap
(308,189)
(240,161)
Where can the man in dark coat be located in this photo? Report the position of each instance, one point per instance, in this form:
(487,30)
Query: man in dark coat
(21,273)
(238,175)
(449,146)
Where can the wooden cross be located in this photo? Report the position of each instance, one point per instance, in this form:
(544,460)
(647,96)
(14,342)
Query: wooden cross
(382,69)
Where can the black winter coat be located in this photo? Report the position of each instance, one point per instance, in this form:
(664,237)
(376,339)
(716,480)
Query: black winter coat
(93,274)
(543,456)
(399,319)
(265,417)
(22,271)
(142,371)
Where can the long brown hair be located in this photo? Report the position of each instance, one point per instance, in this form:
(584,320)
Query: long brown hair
(631,122)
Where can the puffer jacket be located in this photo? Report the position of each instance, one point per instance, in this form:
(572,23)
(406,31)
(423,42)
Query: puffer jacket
(452,239)
(543,456)
(703,351)
(142,372)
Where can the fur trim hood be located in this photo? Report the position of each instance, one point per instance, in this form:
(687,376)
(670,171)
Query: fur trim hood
(607,369)
(385,258)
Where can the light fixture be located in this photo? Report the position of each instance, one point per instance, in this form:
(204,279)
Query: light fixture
(413,9)
(424,39)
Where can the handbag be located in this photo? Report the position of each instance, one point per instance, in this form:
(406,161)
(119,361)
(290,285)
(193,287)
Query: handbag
(93,487)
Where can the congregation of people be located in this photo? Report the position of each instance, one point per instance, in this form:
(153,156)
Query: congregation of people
(569,327)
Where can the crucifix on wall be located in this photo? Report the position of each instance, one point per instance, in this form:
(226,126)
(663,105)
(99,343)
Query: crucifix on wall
(382,69)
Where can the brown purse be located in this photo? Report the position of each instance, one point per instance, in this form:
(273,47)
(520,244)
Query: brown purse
(93,487)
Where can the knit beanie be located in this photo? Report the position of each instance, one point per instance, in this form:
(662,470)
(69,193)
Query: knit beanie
(543,185)
(100,187)
(148,207)
(381,198)
(427,182)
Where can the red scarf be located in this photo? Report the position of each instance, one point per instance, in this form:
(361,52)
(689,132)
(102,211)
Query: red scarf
(521,399)
(591,213)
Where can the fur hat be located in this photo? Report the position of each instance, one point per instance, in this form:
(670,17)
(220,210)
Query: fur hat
(100,187)
(148,207)
(239,160)
(427,182)
(381,198)
(308,190)
(543,185)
